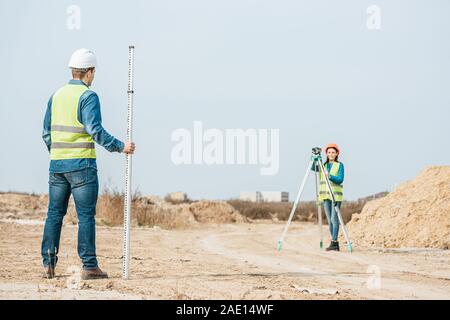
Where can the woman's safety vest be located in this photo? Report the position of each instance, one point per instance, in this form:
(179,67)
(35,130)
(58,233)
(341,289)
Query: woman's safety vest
(69,138)
(338,189)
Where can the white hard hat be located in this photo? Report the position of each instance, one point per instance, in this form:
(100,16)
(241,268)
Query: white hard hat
(82,59)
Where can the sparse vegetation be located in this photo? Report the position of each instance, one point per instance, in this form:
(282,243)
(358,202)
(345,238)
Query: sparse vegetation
(175,214)
(306,211)
(168,198)
(144,212)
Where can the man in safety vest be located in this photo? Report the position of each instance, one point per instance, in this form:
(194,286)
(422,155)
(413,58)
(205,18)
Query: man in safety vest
(72,125)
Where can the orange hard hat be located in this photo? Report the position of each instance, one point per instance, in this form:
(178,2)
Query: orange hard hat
(334,146)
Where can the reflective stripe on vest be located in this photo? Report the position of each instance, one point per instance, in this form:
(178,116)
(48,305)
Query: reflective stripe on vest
(69,137)
(68,129)
(338,189)
(73,145)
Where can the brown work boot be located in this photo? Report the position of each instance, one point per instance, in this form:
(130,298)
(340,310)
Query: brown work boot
(49,272)
(91,274)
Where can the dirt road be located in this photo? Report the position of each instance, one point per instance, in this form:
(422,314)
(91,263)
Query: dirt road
(233,261)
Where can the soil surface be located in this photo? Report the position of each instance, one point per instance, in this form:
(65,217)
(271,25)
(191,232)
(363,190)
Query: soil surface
(220,261)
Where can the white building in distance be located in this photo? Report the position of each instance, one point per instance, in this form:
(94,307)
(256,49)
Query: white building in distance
(264,196)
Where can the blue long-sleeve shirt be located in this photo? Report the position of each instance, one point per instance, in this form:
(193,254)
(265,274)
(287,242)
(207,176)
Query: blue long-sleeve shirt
(339,179)
(90,116)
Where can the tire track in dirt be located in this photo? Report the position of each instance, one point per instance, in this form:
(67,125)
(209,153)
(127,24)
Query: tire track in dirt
(349,271)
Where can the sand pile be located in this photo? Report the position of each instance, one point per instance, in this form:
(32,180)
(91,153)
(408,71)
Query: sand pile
(203,211)
(22,206)
(215,212)
(416,214)
(147,211)
(154,210)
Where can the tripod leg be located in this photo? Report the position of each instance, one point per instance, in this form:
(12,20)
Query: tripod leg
(338,211)
(344,229)
(319,206)
(300,191)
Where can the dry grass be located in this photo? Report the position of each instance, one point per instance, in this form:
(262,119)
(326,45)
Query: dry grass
(176,215)
(306,211)
(269,210)
(169,199)
(144,213)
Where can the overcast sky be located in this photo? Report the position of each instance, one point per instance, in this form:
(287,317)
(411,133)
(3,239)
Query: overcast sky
(312,69)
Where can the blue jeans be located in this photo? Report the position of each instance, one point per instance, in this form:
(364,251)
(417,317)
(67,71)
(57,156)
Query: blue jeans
(332,217)
(83,185)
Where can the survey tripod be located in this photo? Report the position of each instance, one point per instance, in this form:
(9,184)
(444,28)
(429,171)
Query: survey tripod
(319,170)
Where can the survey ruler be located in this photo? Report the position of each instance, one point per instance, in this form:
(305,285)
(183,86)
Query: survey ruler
(127,200)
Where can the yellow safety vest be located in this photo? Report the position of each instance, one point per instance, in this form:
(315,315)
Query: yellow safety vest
(69,138)
(338,189)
